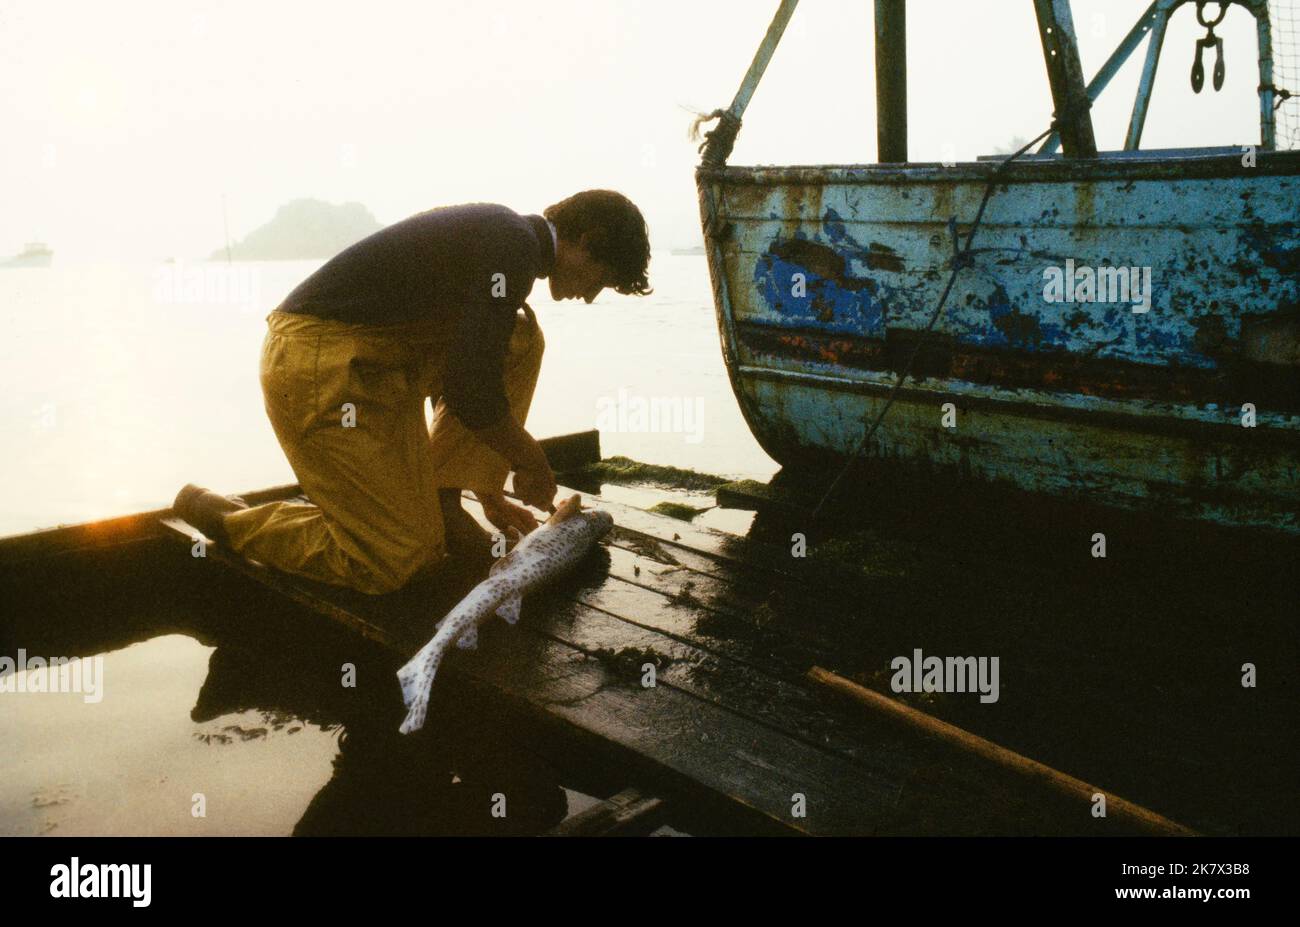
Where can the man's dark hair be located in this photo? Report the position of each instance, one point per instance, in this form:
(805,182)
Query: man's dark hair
(616,234)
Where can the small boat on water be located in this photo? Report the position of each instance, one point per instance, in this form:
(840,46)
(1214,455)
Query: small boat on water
(1121,327)
(34,254)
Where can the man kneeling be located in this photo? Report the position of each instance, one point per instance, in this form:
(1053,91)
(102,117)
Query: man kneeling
(433,306)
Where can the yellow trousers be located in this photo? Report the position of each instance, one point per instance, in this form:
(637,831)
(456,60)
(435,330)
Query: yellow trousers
(347,405)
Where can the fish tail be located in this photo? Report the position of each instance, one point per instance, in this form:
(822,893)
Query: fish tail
(416,679)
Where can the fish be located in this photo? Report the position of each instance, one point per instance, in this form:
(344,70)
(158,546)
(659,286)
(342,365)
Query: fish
(538,557)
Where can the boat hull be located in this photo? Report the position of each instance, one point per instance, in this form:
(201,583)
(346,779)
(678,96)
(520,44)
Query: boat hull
(26,260)
(825,278)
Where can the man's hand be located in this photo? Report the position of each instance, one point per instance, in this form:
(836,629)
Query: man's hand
(534,481)
(504,514)
(536,487)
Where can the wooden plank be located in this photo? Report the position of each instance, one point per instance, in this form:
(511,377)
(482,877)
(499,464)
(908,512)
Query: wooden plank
(1065,75)
(663,626)
(625,645)
(665,732)
(625,814)
(712,672)
(684,751)
(982,557)
(1146,819)
(627,625)
(885,630)
(673,538)
(563,452)
(661,594)
(768,621)
(748,718)
(633,608)
(748,598)
(752,564)
(107,532)
(48,542)
(891,81)
(679,744)
(572,451)
(719,619)
(679,603)
(675,533)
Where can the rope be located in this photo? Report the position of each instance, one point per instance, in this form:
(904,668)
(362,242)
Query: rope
(718,141)
(1281,94)
(960,259)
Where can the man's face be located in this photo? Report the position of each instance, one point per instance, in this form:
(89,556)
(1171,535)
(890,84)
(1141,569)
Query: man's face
(577,275)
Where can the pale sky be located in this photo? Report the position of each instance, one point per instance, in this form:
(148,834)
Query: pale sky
(126,123)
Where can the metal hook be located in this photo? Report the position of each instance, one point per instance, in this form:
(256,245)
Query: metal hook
(1200,10)
(1210,41)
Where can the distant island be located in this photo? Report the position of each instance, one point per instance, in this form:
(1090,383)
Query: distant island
(304,229)
(693,249)
(34,254)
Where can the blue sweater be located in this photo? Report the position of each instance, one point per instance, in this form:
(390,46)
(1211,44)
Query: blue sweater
(470,266)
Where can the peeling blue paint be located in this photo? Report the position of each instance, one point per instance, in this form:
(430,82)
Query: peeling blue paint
(999,302)
(1062,397)
(828,304)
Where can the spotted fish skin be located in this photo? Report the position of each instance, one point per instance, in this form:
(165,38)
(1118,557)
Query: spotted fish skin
(541,555)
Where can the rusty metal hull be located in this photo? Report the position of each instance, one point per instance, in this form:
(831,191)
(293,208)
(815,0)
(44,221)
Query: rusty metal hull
(825,277)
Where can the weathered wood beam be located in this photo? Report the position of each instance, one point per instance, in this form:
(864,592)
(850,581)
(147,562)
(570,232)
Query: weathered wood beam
(1143,818)
(1147,82)
(629,813)
(1065,74)
(563,453)
(891,81)
(569,452)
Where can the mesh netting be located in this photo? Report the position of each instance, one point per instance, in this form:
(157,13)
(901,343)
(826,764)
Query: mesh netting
(1284,16)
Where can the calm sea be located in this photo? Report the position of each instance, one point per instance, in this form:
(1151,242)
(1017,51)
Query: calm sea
(121,382)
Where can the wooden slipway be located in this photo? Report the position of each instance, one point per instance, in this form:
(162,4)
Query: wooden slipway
(718,730)
(731,738)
